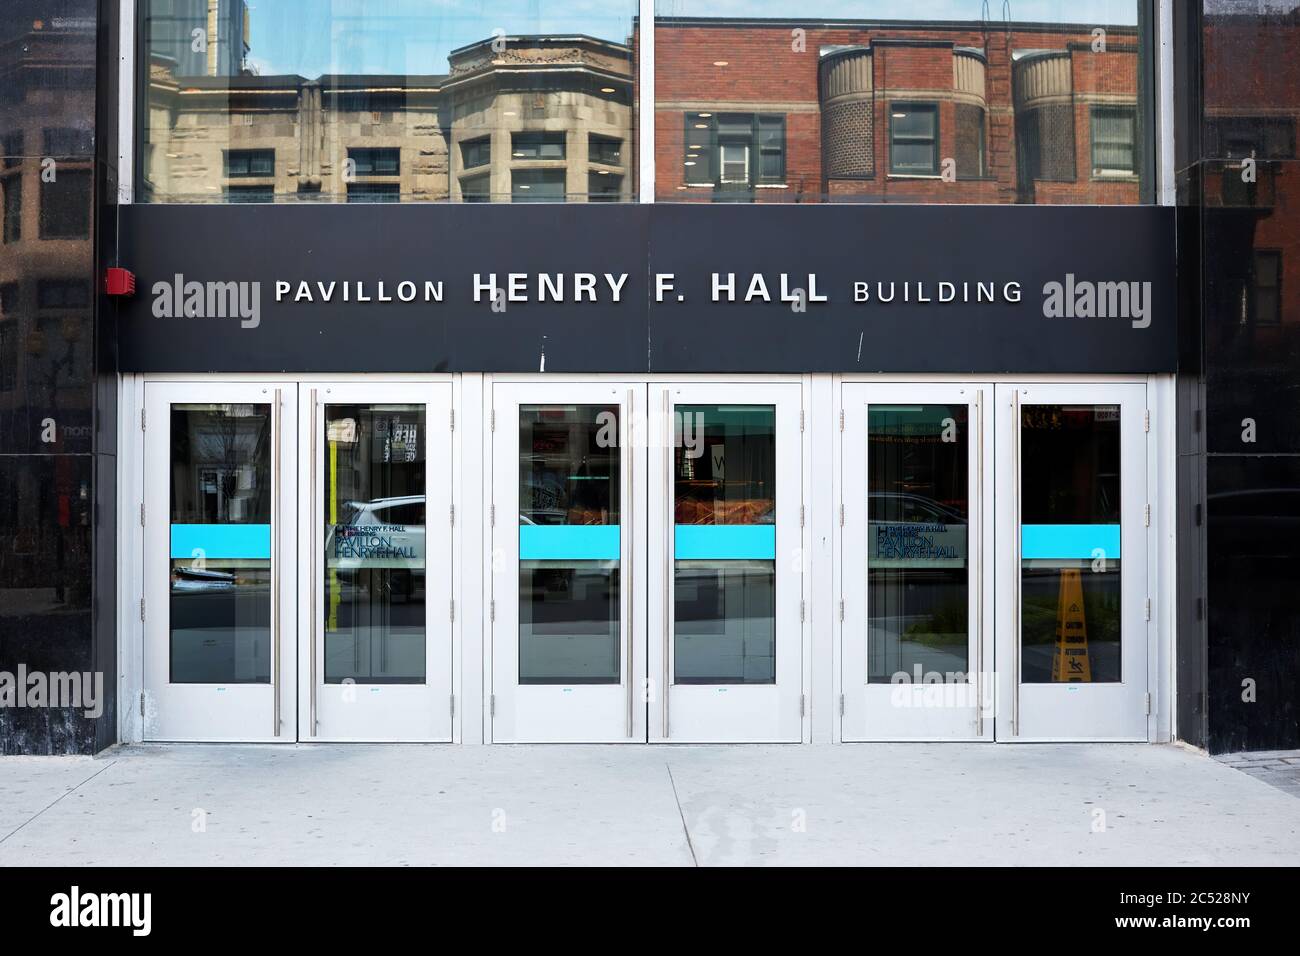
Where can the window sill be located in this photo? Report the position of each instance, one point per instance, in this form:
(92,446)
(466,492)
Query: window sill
(914,176)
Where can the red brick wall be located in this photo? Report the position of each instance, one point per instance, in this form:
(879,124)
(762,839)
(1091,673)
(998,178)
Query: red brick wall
(765,68)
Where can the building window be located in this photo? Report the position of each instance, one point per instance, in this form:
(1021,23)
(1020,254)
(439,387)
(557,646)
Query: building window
(375,162)
(537,146)
(8,338)
(476,152)
(914,139)
(734,150)
(62,294)
(62,142)
(1114,141)
(604,150)
(604,187)
(374,192)
(1251,137)
(1268,287)
(13,225)
(537,185)
(250,194)
(970,142)
(8,356)
(12,149)
(249,163)
(65,205)
(476,189)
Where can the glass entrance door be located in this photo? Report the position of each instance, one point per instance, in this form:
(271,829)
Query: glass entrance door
(916,649)
(376,589)
(218,605)
(568,652)
(725,570)
(1072,563)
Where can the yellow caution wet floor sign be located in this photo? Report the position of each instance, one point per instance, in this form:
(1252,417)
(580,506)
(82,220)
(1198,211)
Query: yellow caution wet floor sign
(1070,663)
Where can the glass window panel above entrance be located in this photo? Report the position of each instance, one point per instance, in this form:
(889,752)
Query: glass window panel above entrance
(381,100)
(895,101)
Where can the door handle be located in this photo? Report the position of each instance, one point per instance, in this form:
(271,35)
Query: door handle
(669,507)
(312,498)
(1017,569)
(276,486)
(978,554)
(628,517)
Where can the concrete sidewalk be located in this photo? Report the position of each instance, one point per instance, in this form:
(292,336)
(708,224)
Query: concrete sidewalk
(926,804)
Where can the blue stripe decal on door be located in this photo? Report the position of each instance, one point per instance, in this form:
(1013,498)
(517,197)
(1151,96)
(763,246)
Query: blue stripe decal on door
(725,542)
(569,542)
(252,541)
(1063,542)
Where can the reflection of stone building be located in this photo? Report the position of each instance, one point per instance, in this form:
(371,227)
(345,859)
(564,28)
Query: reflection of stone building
(541,118)
(545,119)
(909,112)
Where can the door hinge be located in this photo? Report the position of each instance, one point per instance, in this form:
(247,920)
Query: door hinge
(1198,516)
(841,609)
(142,514)
(453,705)
(492,705)
(453,419)
(801,419)
(841,514)
(453,516)
(493,417)
(1146,420)
(141,703)
(802,609)
(803,705)
(142,417)
(1148,609)
(492,610)
(841,419)
(492,516)
(1148,703)
(142,610)
(1147,515)
(453,610)
(802,515)
(841,705)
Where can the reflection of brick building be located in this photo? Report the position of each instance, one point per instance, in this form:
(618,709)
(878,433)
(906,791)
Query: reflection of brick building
(896,111)
(1251,180)
(46,170)
(539,118)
